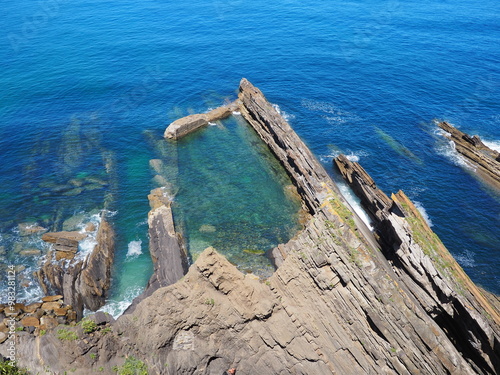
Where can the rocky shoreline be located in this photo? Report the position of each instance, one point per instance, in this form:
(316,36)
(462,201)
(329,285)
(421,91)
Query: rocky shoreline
(486,162)
(343,299)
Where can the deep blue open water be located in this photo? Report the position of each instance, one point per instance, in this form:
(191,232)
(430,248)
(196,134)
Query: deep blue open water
(87,88)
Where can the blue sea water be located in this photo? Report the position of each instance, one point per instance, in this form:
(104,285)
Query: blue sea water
(88,86)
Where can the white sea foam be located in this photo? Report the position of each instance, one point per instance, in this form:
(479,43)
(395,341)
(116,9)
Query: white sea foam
(447,149)
(466,259)
(86,246)
(494,145)
(212,123)
(283,114)
(236,113)
(134,249)
(116,307)
(423,212)
(355,203)
(332,114)
(353,156)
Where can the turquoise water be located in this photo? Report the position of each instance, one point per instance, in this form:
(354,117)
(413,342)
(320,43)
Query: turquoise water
(365,78)
(233,196)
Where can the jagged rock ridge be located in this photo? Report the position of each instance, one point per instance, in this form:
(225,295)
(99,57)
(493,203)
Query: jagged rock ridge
(485,160)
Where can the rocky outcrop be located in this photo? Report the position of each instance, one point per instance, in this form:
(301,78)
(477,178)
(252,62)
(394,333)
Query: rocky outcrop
(181,127)
(485,160)
(35,318)
(65,243)
(82,282)
(165,245)
(429,271)
(336,304)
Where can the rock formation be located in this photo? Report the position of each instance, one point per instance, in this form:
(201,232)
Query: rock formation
(165,246)
(485,160)
(188,124)
(429,271)
(82,282)
(336,304)
(65,243)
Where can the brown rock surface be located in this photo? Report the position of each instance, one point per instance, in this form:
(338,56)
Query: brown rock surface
(30,321)
(485,160)
(52,298)
(188,124)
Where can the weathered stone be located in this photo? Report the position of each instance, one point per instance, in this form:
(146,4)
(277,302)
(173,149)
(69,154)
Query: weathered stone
(102,318)
(32,307)
(70,237)
(185,125)
(188,124)
(30,321)
(49,306)
(419,258)
(3,337)
(90,227)
(71,315)
(52,298)
(83,283)
(95,278)
(165,245)
(47,322)
(14,310)
(61,311)
(336,305)
(65,243)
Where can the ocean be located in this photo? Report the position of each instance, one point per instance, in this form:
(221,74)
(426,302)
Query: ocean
(88,87)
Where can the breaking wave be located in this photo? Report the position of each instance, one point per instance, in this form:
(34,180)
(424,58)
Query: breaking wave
(283,114)
(494,145)
(118,306)
(423,212)
(134,249)
(355,203)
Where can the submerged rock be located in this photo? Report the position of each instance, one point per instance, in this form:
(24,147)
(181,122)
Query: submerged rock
(28,229)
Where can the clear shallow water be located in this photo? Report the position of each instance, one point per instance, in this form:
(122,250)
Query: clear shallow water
(234,195)
(364,78)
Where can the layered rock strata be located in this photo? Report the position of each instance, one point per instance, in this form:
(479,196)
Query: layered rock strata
(83,282)
(169,256)
(335,305)
(428,270)
(485,160)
